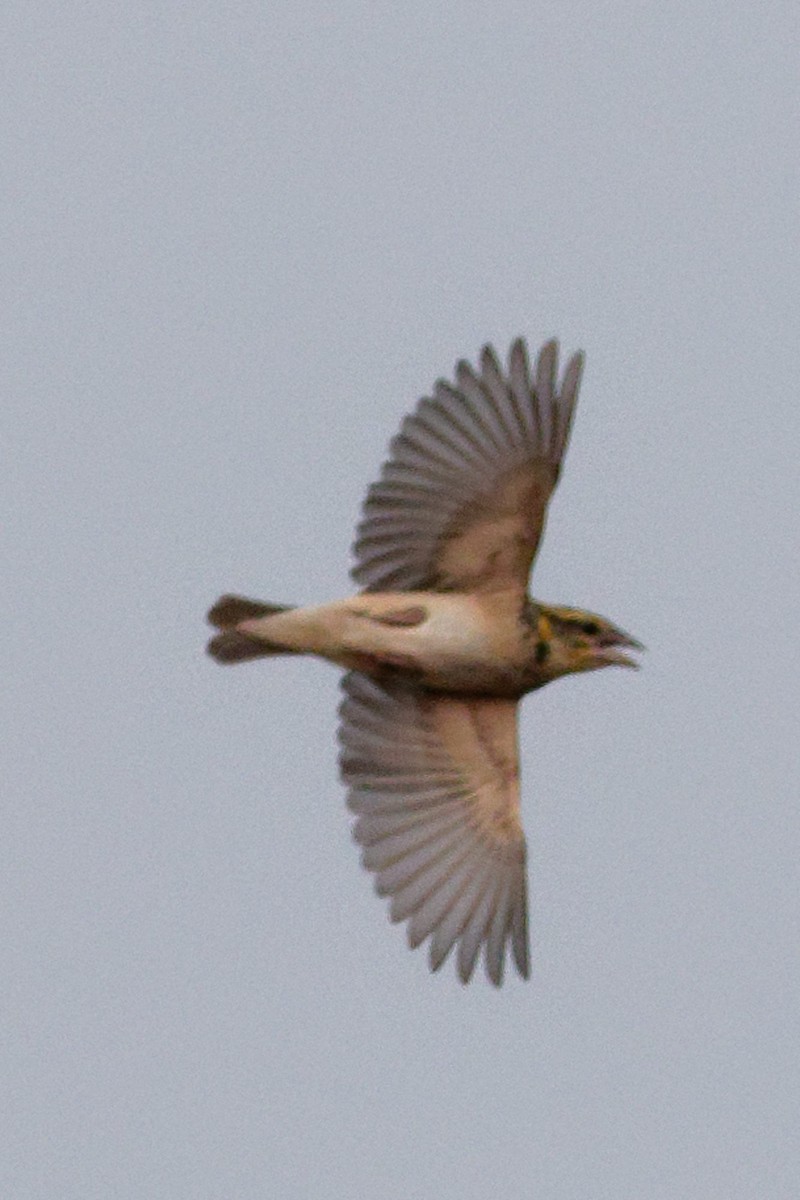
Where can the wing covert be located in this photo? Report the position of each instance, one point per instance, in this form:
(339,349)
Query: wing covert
(461,503)
(434,783)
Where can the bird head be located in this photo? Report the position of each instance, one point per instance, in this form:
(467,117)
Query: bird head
(571,640)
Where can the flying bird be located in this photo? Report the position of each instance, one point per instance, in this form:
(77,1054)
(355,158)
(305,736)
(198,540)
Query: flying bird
(440,645)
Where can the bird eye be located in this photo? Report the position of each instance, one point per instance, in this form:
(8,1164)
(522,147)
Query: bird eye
(590,628)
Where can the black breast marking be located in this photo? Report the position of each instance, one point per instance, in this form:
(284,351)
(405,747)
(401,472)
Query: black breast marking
(529,615)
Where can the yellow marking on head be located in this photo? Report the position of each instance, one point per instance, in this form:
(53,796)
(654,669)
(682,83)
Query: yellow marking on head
(571,614)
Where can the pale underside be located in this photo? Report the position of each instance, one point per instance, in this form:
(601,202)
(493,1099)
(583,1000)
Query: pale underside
(460,506)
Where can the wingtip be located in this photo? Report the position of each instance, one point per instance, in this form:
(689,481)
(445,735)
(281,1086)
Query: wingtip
(489,360)
(576,364)
(523,964)
(547,358)
(518,353)
(571,381)
(494,973)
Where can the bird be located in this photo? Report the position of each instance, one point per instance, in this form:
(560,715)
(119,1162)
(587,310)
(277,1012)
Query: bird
(440,644)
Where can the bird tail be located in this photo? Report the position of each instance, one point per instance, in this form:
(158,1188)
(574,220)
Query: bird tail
(232,646)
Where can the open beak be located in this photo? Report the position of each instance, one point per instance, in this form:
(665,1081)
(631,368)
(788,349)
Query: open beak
(611,649)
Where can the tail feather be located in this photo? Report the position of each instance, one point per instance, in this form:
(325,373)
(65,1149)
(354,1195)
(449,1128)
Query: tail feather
(230,610)
(231,646)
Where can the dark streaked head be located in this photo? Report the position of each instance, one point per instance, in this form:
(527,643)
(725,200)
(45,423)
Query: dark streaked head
(571,640)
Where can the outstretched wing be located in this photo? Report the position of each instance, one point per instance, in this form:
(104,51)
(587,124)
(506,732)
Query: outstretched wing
(461,503)
(434,781)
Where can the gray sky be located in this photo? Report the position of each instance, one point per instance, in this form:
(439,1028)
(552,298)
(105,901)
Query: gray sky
(241,241)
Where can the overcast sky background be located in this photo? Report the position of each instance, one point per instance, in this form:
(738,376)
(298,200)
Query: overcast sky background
(240,241)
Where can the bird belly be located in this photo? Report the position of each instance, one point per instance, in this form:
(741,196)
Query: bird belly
(445,643)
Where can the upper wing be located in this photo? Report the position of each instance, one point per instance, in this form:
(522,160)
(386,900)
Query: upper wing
(435,783)
(461,503)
